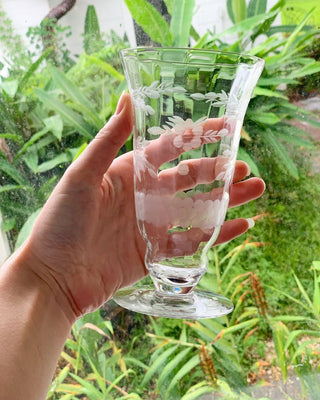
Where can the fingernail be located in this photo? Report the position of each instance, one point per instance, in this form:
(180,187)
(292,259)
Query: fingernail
(248,170)
(121,103)
(250,223)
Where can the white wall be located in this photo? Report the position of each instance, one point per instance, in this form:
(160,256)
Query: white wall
(25,13)
(112,14)
(211,15)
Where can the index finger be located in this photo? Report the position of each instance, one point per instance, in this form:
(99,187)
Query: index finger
(166,147)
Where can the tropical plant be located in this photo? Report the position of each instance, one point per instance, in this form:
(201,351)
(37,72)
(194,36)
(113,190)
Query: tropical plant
(214,352)
(92,364)
(47,117)
(269,113)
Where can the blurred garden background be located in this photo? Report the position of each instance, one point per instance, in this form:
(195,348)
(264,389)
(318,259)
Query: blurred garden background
(60,80)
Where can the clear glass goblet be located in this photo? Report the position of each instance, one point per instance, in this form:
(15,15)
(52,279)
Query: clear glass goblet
(189,106)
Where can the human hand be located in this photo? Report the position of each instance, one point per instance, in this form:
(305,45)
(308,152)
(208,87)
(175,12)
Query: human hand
(85,244)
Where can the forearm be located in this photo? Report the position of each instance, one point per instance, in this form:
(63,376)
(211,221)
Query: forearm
(33,329)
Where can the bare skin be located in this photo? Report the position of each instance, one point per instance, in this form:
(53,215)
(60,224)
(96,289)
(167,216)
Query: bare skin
(84,246)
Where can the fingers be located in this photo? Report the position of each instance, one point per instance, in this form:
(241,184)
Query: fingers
(245,191)
(241,171)
(190,173)
(97,157)
(187,242)
(169,146)
(232,229)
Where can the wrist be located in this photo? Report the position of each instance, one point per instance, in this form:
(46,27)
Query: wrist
(33,329)
(23,271)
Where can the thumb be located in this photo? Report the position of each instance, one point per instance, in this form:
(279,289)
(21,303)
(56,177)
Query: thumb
(97,157)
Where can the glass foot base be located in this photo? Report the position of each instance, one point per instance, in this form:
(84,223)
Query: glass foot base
(196,305)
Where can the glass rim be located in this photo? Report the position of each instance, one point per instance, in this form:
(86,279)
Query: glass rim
(133,51)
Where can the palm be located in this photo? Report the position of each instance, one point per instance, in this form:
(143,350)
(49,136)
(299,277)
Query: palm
(92,241)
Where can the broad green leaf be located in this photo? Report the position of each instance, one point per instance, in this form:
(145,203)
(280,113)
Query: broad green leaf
(302,304)
(106,67)
(71,90)
(184,370)
(301,332)
(296,32)
(269,45)
(230,11)
(26,229)
(135,361)
(9,188)
(156,366)
(245,26)
(10,87)
(279,334)
(303,291)
(57,381)
(316,265)
(239,9)
(97,375)
(34,138)
(267,118)
(209,330)
(33,68)
(256,7)
(259,91)
(181,22)
(171,365)
(54,124)
(197,391)
(8,224)
(266,24)
(194,34)
(77,151)
(275,81)
(59,159)
(73,118)
(316,295)
(119,378)
(130,396)
(89,389)
(150,20)
(238,327)
(10,170)
(202,42)
(283,29)
(68,397)
(281,154)
(72,389)
(46,189)
(296,140)
(306,70)
(169,5)
(292,318)
(305,118)
(12,136)
(245,156)
(31,159)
